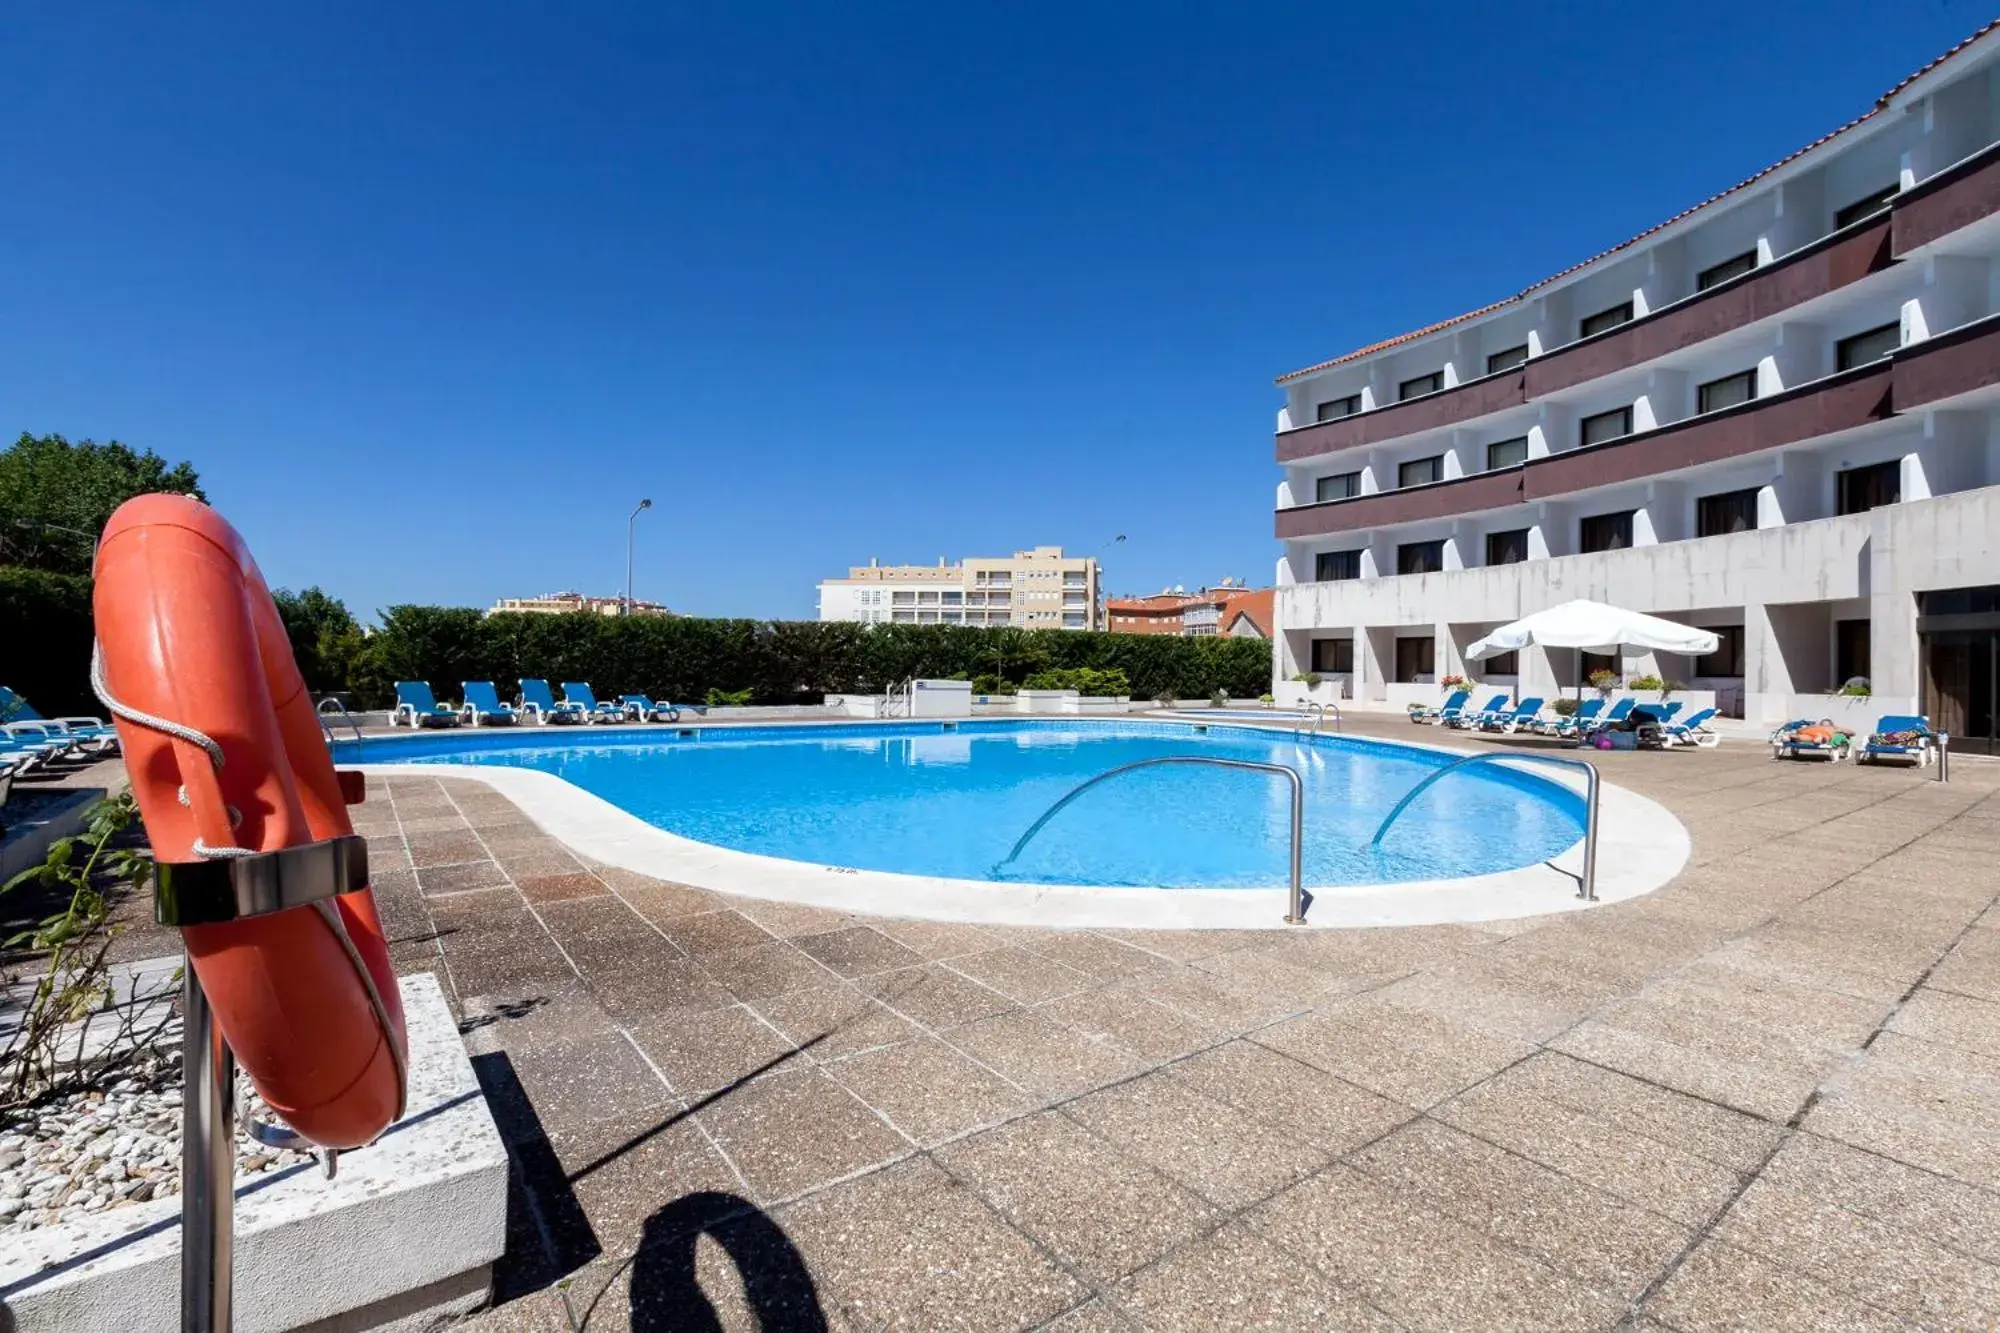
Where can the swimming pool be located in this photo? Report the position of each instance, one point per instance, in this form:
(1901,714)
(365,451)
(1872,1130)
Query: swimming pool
(949,799)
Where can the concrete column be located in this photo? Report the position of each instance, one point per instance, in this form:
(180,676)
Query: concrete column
(1666,277)
(1553,431)
(1954,293)
(1799,216)
(1542,671)
(1665,401)
(1766,679)
(1374,661)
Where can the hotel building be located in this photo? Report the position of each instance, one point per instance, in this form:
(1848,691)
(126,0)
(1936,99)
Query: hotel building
(1775,415)
(1040,588)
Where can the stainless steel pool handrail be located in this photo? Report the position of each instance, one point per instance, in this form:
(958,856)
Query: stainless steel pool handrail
(1588,890)
(1319,712)
(320,710)
(1296,915)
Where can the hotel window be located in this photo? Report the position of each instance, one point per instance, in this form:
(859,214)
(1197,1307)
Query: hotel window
(1851,651)
(1732,511)
(1333,655)
(1605,532)
(1717,274)
(1336,566)
(1507,548)
(1726,392)
(954,597)
(1860,489)
(1415,657)
(1604,426)
(1605,319)
(1865,207)
(1506,453)
(1727,659)
(1336,408)
(1869,345)
(1421,385)
(1344,486)
(1506,664)
(1421,471)
(1507,360)
(1589,663)
(1420,557)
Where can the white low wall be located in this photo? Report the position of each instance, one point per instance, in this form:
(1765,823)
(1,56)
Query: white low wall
(941,698)
(406,1233)
(1330,690)
(1857,714)
(1045,701)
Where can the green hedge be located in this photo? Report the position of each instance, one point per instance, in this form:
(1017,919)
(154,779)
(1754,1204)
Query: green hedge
(46,629)
(779,662)
(45,624)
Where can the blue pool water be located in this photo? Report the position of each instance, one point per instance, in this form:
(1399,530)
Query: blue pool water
(950,799)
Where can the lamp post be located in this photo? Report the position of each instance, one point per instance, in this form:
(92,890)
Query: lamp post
(631,525)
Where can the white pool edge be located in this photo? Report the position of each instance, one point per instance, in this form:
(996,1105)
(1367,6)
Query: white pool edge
(1641,846)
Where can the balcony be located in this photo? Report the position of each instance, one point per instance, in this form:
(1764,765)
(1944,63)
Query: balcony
(1958,196)
(1437,499)
(1948,365)
(1461,402)
(1826,265)
(1839,402)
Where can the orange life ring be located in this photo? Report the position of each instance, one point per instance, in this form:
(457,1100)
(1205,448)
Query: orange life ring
(187,631)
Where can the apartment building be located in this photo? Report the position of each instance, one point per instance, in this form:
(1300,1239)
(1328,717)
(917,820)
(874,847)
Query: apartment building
(1775,415)
(1039,588)
(1226,609)
(570,603)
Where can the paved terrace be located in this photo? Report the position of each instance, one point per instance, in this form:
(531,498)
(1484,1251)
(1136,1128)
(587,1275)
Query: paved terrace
(1765,1097)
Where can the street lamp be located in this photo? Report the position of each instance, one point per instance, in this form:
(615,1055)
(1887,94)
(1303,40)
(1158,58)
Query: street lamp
(630,525)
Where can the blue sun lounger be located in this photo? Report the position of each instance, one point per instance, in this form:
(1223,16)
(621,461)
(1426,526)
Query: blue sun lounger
(91,734)
(483,707)
(1453,705)
(417,707)
(1787,743)
(1618,713)
(1508,723)
(1900,736)
(538,703)
(643,709)
(578,692)
(1579,721)
(1694,731)
(1495,707)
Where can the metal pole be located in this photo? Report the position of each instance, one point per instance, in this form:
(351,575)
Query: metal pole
(208,1163)
(631,526)
(1944,756)
(1296,916)
(1588,890)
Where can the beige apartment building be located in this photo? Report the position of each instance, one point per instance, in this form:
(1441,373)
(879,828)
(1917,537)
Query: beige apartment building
(1040,588)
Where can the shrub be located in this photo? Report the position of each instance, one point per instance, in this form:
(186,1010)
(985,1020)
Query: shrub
(991,684)
(728,698)
(1645,683)
(1309,679)
(1857,688)
(1084,680)
(1266,700)
(1565,706)
(45,623)
(1604,682)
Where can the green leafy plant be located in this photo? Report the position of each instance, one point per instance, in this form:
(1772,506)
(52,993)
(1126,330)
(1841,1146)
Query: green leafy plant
(991,684)
(1309,679)
(1856,688)
(1218,698)
(728,698)
(1604,682)
(1565,706)
(75,985)
(1454,681)
(1165,699)
(1266,700)
(1088,681)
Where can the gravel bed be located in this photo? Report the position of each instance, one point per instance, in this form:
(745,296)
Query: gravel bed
(109,1148)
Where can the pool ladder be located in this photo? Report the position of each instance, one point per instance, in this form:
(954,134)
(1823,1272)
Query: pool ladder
(1587,889)
(1319,712)
(900,689)
(1299,901)
(320,712)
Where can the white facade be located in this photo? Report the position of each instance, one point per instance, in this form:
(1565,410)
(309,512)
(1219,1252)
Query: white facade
(1792,434)
(1039,588)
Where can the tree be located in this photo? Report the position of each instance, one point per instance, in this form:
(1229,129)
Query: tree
(326,640)
(55,497)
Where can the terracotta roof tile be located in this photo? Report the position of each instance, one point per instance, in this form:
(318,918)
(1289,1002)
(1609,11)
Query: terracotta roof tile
(1881,104)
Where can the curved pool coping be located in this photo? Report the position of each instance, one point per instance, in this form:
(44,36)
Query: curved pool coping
(1640,847)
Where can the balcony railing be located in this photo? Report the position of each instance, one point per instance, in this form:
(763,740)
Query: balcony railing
(1826,265)
(1956,197)
(1437,499)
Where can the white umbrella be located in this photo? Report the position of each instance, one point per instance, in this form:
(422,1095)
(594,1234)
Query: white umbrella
(1594,627)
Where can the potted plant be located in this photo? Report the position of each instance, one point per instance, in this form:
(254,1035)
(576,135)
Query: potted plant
(1565,706)
(1856,687)
(1265,700)
(1604,681)
(1454,681)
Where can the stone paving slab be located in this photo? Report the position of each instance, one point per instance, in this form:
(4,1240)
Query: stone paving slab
(1765,1097)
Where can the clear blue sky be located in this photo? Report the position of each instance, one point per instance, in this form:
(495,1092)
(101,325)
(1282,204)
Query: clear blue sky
(432,293)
